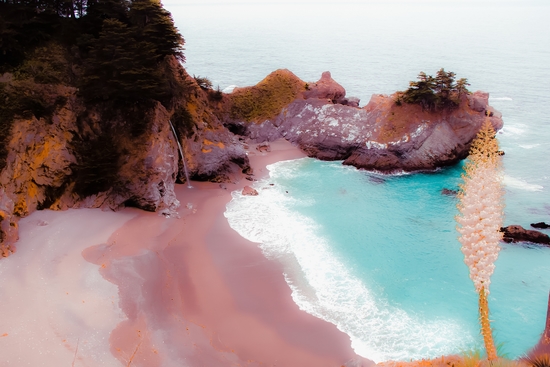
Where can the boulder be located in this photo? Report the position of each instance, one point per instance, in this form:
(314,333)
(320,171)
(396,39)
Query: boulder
(249,191)
(325,88)
(516,233)
(449,192)
(351,101)
(478,101)
(263,147)
(540,225)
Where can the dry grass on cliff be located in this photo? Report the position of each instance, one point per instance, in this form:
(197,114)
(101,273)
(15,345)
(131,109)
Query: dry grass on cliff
(266,99)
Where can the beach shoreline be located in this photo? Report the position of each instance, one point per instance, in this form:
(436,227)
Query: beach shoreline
(192,290)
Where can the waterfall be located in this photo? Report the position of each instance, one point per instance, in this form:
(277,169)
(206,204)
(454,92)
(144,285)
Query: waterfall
(181,155)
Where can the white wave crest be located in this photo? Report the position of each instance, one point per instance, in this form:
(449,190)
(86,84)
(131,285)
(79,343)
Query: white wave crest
(517,183)
(528,146)
(229,89)
(500,98)
(323,286)
(513,130)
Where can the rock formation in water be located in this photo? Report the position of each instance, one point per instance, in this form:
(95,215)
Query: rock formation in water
(516,233)
(382,136)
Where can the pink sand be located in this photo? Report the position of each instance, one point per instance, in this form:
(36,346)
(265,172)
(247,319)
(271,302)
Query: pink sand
(92,288)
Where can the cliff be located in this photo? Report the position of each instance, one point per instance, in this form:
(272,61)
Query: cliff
(87,155)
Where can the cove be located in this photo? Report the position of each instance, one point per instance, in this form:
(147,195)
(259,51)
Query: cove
(378,256)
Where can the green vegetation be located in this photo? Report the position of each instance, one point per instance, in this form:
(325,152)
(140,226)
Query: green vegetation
(435,93)
(204,83)
(113,51)
(183,120)
(116,46)
(266,99)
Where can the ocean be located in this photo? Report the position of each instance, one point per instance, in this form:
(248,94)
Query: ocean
(378,255)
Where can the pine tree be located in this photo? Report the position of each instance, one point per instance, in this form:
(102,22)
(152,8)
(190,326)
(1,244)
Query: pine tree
(122,68)
(155,24)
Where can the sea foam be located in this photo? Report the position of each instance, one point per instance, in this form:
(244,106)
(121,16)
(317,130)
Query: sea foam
(517,183)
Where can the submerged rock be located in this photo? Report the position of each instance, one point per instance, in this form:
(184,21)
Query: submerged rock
(540,225)
(449,192)
(516,233)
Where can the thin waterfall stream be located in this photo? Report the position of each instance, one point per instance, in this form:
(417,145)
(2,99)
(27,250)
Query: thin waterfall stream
(181,155)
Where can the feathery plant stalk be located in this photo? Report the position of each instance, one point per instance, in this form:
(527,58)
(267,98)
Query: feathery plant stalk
(480,218)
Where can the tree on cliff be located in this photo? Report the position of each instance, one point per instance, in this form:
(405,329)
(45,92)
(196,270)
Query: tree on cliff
(480,220)
(118,68)
(123,61)
(434,93)
(154,24)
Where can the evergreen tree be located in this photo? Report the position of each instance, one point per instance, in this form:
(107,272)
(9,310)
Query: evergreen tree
(155,25)
(461,86)
(122,68)
(435,93)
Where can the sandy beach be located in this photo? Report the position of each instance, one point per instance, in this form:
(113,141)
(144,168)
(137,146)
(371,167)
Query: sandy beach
(132,288)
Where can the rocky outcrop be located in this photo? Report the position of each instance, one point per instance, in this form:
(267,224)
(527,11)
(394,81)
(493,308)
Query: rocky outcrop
(249,191)
(86,156)
(540,225)
(381,136)
(325,88)
(516,233)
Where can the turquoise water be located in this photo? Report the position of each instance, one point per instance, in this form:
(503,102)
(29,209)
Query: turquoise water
(379,257)
(376,255)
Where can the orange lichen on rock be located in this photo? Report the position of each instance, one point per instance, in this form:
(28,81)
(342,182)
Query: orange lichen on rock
(218,144)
